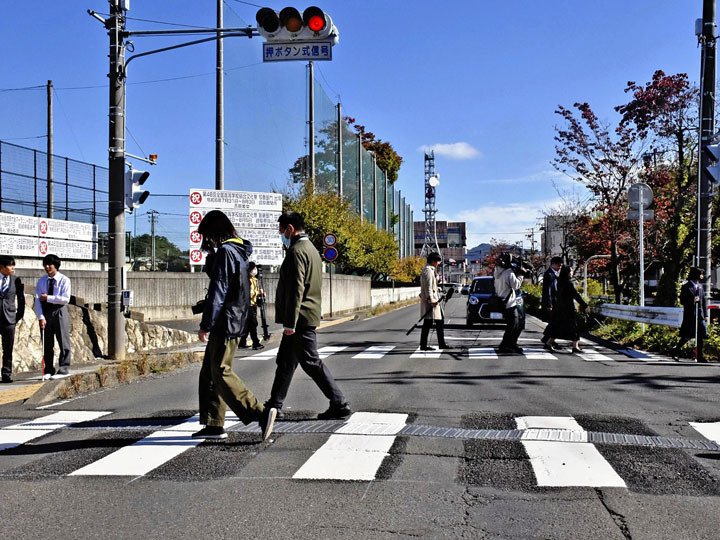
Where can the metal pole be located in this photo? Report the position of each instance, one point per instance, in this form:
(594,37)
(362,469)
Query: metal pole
(360,174)
(219,106)
(641,213)
(49,141)
(311,123)
(339,151)
(152,240)
(707,129)
(585,293)
(116,188)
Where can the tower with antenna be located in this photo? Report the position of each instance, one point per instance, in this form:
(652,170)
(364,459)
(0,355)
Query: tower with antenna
(431,182)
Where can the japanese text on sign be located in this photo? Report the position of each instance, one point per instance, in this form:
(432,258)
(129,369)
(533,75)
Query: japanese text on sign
(297,50)
(212,199)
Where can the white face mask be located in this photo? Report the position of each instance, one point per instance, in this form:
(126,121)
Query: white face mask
(253,272)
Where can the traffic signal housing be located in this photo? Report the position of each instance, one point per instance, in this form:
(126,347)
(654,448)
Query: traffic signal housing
(135,195)
(712,169)
(290,25)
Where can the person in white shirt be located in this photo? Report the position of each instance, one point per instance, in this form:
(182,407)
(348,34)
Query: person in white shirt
(52,295)
(507,284)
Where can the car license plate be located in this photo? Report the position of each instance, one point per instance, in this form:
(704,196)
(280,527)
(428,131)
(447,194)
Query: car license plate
(496,315)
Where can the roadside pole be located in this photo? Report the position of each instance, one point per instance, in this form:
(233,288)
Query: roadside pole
(116,179)
(50,177)
(219,105)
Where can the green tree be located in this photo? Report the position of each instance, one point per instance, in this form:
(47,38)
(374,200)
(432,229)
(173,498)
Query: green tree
(408,270)
(385,155)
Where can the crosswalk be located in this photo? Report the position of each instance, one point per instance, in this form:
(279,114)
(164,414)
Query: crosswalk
(590,353)
(559,450)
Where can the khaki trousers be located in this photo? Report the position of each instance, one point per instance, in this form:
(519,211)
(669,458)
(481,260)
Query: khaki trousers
(219,386)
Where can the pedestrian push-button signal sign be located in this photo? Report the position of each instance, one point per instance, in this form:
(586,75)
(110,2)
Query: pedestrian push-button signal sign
(290,35)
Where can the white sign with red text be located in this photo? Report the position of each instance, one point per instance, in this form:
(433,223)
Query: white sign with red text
(66,230)
(214,199)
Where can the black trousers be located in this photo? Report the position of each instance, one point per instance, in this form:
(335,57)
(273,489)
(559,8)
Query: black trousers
(513,328)
(683,341)
(57,327)
(439,326)
(7,334)
(301,348)
(251,325)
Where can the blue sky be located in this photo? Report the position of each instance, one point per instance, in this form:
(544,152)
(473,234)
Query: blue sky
(481,79)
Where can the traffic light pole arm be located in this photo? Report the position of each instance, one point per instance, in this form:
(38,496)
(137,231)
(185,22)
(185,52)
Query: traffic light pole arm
(214,38)
(249,31)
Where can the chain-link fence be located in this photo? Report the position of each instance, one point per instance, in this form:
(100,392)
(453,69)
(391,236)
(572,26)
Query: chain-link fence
(76,193)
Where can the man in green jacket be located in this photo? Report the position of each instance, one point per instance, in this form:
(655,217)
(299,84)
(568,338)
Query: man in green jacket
(297,307)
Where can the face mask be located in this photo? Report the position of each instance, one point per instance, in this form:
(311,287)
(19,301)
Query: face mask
(285,240)
(253,272)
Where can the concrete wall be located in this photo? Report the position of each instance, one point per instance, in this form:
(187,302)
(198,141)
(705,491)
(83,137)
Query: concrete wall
(169,295)
(387,296)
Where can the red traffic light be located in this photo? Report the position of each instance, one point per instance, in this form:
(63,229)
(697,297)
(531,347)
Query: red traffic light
(314,18)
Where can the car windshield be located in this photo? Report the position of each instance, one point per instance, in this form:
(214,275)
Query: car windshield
(482,286)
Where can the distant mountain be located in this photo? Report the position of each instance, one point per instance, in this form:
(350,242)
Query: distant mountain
(478,252)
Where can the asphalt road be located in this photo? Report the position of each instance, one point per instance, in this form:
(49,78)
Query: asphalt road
(509,448)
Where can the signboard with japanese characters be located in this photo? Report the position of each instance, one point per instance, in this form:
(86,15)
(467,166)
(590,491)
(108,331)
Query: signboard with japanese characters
(67,249)
(67,230)
(18,225)
(19,246)
(253,214)
(281,51)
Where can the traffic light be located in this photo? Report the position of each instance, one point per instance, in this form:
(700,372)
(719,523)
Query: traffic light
(290,25)
(134,194)
(712,153)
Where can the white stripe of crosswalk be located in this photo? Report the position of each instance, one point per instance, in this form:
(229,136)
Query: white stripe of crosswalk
(265,355)
(709,430)
(149,453)
(375,352)
(565,464)
(426,354)
(482,353)
(532,353)
(325,352)
(17,434)
(593,355)
(356,450)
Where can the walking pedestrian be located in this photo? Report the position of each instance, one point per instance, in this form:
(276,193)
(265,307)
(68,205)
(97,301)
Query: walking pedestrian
(508,280)
(563,321)
(251,322)
(430,305)
(298,308)
(549,291)
(222,323)
(11,289)
(692,299)
(52,294)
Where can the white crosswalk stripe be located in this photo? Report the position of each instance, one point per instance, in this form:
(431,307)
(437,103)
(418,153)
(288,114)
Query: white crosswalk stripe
(594,355)
(532,353)
(709,430)
(15,435)
(356,450)
(482,353)
(426,354)
(325,352)
(644,356)
(149,453)
(376,352)
(565,464)
(264,355)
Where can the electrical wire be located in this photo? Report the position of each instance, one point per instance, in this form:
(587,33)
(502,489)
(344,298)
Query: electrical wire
(23,88)
(67,119)
(247,3)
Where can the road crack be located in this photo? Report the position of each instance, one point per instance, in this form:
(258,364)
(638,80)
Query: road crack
(619,519)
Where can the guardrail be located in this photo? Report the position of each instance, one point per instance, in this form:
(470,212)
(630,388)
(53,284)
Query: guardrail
(666,316)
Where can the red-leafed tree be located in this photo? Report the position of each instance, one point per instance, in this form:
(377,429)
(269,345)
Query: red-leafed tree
(664,113)
(606,162)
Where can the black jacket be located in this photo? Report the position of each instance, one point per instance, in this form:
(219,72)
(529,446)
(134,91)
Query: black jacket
(549,289)
(688,292)
(10,313)
(228,296)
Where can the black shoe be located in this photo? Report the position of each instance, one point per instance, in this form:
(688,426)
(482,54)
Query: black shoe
(427,348)
(506,350)
(258,346)
(517,350)
(210,432)
(266,422)
(444,346)
(243,346)
(336,412)
(7,379)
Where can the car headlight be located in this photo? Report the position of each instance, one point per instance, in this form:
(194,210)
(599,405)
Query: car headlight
(473,300)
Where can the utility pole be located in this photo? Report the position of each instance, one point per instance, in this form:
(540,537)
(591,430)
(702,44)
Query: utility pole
(152,215)
(50,165)
(707,130)
(219,106)
(311,123)
(116,178)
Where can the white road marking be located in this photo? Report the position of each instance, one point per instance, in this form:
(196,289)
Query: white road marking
(376,352)
(709,430)
(644,356)
(593,355)
(482,353)
(264,355)
(533,353)
(149,453)
(565,464)
(324,352)
(356,450)
(17,434)
(426,354)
